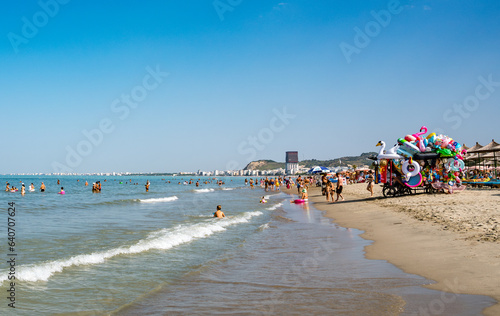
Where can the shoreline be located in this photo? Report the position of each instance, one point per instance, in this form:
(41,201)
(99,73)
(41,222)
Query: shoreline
(452,258)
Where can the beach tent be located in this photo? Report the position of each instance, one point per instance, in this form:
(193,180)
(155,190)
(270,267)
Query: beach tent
(319,169)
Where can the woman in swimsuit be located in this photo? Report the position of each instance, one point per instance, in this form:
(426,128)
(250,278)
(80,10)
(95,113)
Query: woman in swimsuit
(371,180)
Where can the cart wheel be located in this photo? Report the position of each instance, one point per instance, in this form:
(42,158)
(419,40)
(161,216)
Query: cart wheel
(389,191)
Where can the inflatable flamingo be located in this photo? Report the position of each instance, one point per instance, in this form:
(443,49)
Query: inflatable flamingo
(419,139)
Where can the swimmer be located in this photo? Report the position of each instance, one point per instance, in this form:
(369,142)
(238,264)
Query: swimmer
(23,189)
(62,191)
(42,187)
(263,200)
(219,213)
(32,187)
(7,188)
(147,186)
(86,183)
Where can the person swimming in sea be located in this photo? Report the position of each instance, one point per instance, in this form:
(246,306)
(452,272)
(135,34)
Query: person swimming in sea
(263,200)
(219,213)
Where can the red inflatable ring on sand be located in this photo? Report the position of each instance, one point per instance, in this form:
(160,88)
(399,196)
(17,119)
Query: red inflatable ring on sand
(300,201)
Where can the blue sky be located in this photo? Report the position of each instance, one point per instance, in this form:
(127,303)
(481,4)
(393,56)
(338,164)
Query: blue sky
(217,84)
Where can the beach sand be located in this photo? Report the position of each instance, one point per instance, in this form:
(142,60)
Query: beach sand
(450,239)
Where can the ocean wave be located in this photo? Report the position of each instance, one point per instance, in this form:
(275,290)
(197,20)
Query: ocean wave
(274,207)
(165,199)
(264,226)
(227,189)
(162,240)
(204,190)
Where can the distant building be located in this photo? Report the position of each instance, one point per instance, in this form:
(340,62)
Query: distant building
(292,162)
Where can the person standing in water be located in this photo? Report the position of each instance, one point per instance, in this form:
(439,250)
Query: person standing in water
(23,189)
(147,186)
(42,187)
(219,213)
(32,187)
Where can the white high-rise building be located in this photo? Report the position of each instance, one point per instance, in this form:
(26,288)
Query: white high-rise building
(292,162)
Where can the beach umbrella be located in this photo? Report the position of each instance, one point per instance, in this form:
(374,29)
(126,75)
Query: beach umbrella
(319,169)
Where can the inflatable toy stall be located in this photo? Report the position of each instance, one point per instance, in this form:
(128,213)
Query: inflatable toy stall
(434,163)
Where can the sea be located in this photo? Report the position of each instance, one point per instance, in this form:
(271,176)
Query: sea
(125,251)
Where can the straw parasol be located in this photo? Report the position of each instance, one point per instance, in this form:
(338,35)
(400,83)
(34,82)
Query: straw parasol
(491,147)
(488,151)
(474,148)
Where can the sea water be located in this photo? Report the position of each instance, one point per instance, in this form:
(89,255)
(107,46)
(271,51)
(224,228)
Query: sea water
(126,251)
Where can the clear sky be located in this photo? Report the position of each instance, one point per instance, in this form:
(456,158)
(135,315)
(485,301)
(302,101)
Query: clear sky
(167,86)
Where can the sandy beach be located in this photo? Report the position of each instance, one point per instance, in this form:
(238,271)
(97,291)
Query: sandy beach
(450,239)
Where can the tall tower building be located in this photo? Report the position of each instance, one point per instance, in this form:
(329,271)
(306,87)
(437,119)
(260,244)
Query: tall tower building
(292,162)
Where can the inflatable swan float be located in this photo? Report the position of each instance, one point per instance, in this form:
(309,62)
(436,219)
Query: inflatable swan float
(390,154)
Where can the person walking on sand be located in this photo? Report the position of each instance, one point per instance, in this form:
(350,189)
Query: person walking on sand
(330,190)
(371,182)
(219,213)
(340,186)
(299,184)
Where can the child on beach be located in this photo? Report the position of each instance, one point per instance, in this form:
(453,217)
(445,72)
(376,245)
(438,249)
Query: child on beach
(371,180)
(330,190)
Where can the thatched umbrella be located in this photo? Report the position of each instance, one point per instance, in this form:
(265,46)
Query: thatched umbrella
(492,147)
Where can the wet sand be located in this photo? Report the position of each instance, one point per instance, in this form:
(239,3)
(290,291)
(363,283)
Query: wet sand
(451,239)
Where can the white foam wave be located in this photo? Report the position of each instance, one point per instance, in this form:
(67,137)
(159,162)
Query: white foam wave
(227,189)
(163,239)
(264,226)
(204,190)
(165,199)
(274,207)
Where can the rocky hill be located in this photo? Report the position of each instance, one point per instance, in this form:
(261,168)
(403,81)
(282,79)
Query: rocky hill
(337,162)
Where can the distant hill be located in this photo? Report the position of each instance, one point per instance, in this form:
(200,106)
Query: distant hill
(337,162)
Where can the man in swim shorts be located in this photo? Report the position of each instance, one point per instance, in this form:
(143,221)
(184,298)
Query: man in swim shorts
(219,213)
(42,187)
